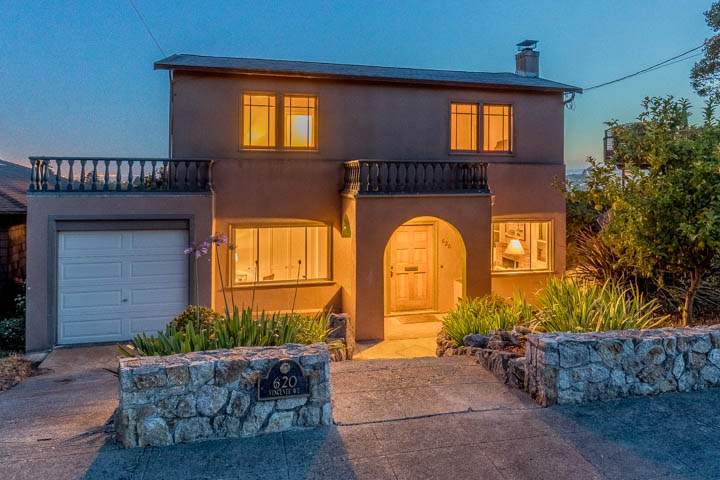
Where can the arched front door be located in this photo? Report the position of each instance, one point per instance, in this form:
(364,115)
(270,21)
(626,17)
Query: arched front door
(412,268)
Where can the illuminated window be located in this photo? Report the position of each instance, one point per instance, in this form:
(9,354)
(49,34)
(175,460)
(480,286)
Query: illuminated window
(497,128)
(521,246)
(281,254)
(300,121)
(258,121)
(463,126)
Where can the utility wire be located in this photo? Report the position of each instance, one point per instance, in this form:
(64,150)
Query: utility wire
(677,58)
(147,28)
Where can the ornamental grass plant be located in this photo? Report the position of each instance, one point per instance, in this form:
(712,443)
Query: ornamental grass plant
(571,305)
(481,315)
(244,328)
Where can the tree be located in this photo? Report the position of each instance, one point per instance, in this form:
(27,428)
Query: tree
(705,74)
(665,216)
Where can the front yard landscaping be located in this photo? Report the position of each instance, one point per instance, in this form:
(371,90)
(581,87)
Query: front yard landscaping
(13,370)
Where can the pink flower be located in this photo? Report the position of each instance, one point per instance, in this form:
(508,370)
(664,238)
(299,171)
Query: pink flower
(219,239)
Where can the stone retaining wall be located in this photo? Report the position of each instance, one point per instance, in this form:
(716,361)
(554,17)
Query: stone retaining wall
(568,368)
(197,396)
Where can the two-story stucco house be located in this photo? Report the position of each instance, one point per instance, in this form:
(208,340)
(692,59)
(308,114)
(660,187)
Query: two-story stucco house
(380,192)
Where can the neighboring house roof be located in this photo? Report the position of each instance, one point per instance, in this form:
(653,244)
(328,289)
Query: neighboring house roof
(14,181)
(359,72)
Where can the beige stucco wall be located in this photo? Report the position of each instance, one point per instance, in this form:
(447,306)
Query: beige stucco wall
(532,193)
(358,120)
(46,208)
(362,120)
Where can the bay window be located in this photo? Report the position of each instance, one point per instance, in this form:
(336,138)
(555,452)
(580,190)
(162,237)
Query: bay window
(521,246)
(266,254)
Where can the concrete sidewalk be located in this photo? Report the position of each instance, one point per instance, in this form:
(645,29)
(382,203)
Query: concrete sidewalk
(396,419)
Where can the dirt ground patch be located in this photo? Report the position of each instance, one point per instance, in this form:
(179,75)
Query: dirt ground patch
(13,370)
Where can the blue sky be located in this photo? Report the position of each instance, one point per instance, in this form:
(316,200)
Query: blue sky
(76,77)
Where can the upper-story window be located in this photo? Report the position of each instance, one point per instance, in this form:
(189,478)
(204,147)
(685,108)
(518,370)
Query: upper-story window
(300,125)
(463,126)
(258,120)
(497,128)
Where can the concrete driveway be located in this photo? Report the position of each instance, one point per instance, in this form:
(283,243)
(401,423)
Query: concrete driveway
(396,419)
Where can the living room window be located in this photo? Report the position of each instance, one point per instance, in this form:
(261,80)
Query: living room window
(258,120)
(267,254)
(300,125)
(463,126)
(497,128)
(521,246)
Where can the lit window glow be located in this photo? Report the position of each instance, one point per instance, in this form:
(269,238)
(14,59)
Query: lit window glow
(258,121)
(497,128)
(300,121)
(463,126)
(281,254)
(521,246)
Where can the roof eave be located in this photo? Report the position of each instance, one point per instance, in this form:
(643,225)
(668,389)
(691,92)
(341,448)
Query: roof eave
(165,64)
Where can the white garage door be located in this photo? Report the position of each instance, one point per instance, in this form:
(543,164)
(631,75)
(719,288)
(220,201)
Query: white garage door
(113,285)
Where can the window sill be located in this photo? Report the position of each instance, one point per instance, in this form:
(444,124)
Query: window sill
(266,285)
(480,153)
(510,273)
(280,150)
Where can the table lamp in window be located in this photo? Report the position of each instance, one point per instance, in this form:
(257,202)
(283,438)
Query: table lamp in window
(515,249)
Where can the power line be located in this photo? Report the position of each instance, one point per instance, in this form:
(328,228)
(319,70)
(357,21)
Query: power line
(147,28)
(664,63)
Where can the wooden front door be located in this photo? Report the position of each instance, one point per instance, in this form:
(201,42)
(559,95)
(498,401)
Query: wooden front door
(412,268)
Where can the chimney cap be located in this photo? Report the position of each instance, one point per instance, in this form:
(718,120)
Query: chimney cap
(527,45)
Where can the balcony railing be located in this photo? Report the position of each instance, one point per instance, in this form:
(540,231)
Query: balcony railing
(378,177)
(105,175)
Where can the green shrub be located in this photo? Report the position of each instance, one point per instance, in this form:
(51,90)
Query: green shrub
(12,334)
(313,328)
(569,305)
(242,329)
(481,315)
(200,317)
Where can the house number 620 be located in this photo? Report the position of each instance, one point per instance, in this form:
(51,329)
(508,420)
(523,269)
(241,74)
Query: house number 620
(285,382)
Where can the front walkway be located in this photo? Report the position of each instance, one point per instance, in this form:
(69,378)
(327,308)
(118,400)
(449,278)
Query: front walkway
(406,348)
(396,419)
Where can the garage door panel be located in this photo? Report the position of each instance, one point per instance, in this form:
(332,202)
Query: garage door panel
(158,239)
(87,242)
(175,267)
(88,331)
(157,296)
(98,270)
(113,285)
(107,298)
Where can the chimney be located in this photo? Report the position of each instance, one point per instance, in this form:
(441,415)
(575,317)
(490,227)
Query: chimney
(527,59)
